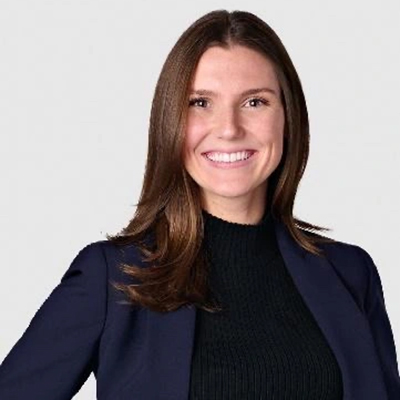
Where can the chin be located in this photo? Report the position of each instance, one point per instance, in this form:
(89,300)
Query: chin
(227,192)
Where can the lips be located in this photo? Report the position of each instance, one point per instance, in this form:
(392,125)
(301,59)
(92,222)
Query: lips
(224,164)
(229,151)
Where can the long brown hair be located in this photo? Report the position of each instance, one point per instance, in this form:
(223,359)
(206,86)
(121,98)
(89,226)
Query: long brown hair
(168,226)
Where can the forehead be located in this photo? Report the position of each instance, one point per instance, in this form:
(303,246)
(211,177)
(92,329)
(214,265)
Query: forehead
(238,66)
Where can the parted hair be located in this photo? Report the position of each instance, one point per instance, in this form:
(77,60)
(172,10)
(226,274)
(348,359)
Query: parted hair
(168,226)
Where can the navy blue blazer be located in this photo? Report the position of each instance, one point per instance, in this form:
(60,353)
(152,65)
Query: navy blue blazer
(83,327)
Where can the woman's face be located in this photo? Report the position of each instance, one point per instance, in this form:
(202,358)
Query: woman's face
(223,119)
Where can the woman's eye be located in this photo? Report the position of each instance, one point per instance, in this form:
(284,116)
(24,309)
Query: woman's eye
(258,100)
(192,102)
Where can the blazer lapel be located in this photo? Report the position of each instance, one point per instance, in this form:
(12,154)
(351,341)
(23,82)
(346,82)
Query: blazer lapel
(345,327)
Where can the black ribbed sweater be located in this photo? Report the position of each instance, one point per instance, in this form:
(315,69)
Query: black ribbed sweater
(266,344)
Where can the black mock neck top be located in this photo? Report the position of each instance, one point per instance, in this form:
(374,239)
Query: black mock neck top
(265,344)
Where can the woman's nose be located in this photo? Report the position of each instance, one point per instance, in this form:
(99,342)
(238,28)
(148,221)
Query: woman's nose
(228,123)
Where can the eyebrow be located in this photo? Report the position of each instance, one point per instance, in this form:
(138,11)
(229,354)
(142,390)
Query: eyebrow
(204,92)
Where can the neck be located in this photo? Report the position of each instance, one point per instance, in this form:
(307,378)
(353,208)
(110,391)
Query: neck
(241,215)
(230,237)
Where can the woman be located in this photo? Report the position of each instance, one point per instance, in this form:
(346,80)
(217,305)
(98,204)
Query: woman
(214,290)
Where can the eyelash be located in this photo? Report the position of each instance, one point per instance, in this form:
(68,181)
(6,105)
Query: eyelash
(196,99)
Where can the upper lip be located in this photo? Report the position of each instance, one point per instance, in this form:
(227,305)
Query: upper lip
(228,151)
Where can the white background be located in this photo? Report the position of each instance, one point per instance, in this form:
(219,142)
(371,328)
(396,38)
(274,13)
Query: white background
(76,84)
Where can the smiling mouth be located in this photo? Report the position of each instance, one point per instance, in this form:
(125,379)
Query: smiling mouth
(230,164)
(229,158)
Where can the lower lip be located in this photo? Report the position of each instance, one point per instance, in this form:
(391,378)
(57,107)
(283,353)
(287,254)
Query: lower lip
(229,165)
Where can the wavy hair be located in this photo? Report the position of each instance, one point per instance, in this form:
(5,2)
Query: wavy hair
(168,226)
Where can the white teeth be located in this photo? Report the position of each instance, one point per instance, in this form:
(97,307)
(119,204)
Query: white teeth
(232,157)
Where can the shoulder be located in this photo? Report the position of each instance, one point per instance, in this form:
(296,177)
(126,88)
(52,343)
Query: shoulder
(103,252)
(348,255)
(127,253)
(115,257)
(344,251)
(353,265)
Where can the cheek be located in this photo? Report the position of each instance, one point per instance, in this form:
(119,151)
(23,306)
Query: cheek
(278,121)
(194,134)
(271,128)
(189,146)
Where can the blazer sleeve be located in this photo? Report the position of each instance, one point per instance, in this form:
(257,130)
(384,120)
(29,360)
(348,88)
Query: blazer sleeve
(381,329)
(57,352)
